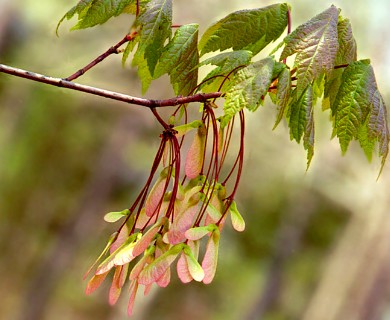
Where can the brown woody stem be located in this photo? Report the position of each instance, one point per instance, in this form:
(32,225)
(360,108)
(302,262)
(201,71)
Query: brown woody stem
(150,103)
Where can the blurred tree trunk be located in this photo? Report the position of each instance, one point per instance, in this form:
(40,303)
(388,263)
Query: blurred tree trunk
(356,279)
(77,227)
(288,242)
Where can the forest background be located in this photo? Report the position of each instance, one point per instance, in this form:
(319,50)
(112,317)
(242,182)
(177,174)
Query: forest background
(316,244)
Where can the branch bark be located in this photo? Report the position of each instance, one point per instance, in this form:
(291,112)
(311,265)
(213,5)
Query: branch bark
(150,103)
(110,51)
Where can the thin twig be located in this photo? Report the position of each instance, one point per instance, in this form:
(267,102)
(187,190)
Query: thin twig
(150,103)
(110,51)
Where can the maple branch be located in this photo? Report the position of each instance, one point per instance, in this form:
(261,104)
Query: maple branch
(110,51)
(150,103)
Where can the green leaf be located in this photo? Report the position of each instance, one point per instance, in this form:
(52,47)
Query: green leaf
(115,216)
(132,7)
(377,126)
(246,30)
(179,59)
(308,137)
(353,101)
(226,59)
(238,222)
(129,48)
(248,88)
(300,113)
(318,87)
(332,85)
(375,130)
(226,62)
(347,51)
(346,54)
(367,144)
(93,12)
(143,70)
(155,24)
(185,128)
(283,93)
(316,45)
(81,8)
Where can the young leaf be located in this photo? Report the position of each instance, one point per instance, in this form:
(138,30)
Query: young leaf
(194,267)
(354,101)
(132,7)
(155,23)
(81,8)
(179,59)
(226,62)
(185,128)
(301,122)
(378,123)
(129,48)
(332,85)
(144,72)
(238,222)
(316,44)
(300,113)
(346,54)
(210,260)
(367,144)
(308,137)
(115,216)
(199,232)
(247,88)
(377,130)
(246,30)
(93,12)
(158,267)
(283,93)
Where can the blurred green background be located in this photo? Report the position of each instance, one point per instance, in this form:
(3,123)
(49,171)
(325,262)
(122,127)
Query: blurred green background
(317,243)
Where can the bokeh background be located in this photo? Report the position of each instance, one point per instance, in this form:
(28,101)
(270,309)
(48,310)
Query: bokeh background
(317,243)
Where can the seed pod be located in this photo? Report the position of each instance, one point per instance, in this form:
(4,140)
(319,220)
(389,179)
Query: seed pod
(195,155)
